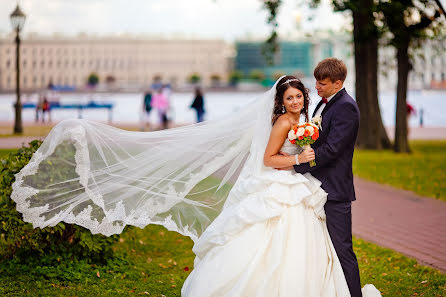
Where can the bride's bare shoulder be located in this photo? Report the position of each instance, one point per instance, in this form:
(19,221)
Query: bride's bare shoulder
(283,123)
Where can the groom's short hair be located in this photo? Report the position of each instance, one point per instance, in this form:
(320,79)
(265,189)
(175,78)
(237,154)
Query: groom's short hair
(331,68)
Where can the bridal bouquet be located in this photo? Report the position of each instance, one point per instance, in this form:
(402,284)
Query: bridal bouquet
(304,135)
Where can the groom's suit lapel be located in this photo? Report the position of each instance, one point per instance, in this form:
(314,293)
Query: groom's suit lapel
(332,101)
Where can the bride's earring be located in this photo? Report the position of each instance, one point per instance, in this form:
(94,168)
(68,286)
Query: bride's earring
(283,109)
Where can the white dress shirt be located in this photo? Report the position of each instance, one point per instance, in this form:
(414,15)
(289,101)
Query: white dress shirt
(321,108)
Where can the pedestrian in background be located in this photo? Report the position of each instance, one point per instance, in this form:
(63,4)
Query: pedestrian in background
(147,108)
(161,103)
(198,104)
(410,111)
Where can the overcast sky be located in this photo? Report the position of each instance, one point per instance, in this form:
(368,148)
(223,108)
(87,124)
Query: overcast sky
(228,19)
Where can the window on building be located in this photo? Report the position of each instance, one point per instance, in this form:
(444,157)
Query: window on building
(42,64)
(67,63)
(8,81)
(8,63)
(443,78)
(34,64)
(42,80)
(34,81)
(24,63)
(59,63)
(24,81)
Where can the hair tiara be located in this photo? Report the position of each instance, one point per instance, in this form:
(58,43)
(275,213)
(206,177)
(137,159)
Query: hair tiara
(290,80)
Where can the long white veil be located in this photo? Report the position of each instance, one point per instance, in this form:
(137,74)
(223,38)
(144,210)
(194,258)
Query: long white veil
(104,178)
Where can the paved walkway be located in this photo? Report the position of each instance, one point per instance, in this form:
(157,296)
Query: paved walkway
(401,220)
(421,133)
(16,142)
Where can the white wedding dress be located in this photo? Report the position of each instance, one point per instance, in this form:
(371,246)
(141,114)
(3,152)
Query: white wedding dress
(270,240)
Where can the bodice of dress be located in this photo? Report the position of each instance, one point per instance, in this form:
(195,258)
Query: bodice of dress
(290,148)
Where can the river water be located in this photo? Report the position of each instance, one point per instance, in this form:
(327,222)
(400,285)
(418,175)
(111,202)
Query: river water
(128,106)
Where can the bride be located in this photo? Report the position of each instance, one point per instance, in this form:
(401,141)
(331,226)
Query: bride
(258,231)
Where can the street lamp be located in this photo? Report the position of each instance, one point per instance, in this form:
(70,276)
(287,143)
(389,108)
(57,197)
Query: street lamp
(17,18)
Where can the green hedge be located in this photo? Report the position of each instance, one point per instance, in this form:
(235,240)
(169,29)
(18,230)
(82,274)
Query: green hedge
(19,240)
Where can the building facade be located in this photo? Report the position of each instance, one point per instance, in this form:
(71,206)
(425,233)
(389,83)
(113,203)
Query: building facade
(298,56)
(121,61)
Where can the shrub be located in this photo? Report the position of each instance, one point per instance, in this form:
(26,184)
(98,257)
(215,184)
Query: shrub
(257,75)
(235,77)
(20,240)
(93,79)
(194,78)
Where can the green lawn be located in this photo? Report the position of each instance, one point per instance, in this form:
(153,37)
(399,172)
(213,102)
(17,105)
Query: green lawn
(423,171)
(5,152)
(158,262)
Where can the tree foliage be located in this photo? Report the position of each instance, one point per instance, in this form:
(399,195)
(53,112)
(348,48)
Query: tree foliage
(271,46)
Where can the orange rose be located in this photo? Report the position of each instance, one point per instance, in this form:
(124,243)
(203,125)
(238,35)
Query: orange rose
(307,133)
(301,137)
(293,141)
(315,136)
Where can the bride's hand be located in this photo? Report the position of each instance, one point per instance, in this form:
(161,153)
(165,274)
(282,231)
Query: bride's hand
(306,156)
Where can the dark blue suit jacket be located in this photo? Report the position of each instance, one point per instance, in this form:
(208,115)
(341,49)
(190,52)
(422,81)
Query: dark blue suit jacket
(334,148)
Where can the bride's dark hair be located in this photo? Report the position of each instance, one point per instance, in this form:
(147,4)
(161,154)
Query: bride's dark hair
(281,87)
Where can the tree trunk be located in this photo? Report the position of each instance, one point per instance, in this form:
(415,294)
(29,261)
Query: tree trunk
(401,126)
(372,134)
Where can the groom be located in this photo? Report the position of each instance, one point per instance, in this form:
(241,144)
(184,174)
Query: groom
(334,154)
